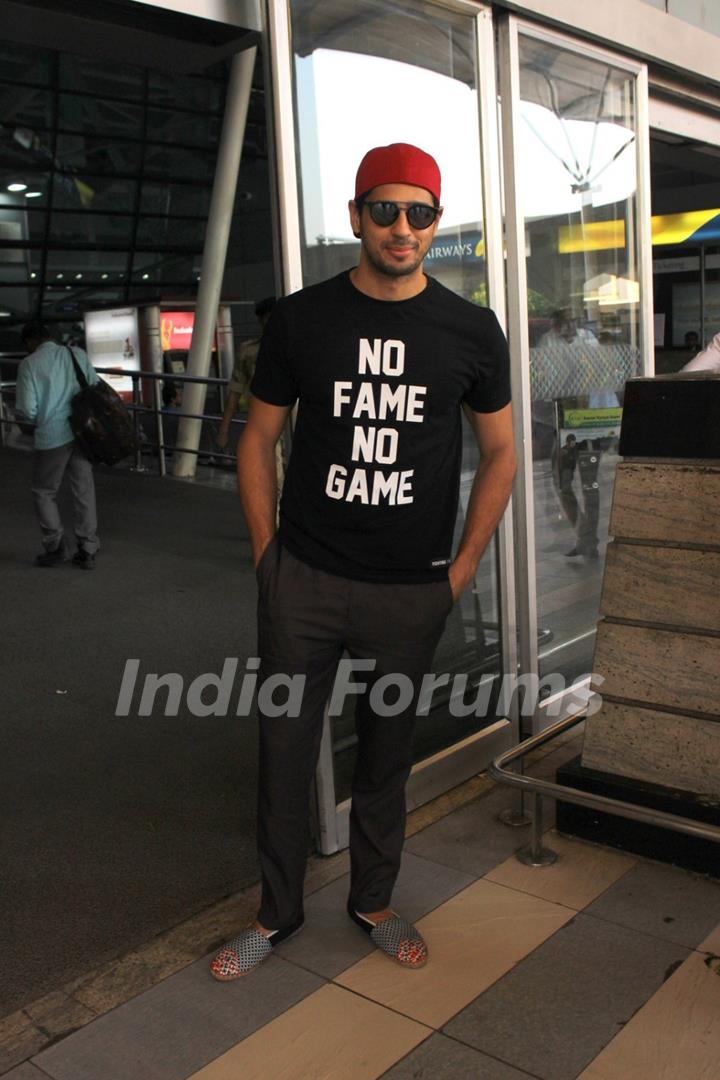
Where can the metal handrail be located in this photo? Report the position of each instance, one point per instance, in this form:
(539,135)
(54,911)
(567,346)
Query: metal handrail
(537,855)
(137,408)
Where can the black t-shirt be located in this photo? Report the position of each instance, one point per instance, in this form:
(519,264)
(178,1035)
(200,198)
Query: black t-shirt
(372,484)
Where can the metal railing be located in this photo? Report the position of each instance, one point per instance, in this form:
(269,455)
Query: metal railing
(138,408)
(535,854)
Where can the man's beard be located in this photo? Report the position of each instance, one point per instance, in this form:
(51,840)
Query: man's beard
(393,269)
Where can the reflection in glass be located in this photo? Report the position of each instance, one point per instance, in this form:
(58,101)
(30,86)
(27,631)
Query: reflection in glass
(171,232)
(685,179)
(167,161)
(156,266)
(81,112)
(21,64)
(90,228)
(27,105)
(169,198)
(89,192)
(100,77)
(379,73)
(182,128)
(578,188)
(20,302)
(184,91)
(78,153)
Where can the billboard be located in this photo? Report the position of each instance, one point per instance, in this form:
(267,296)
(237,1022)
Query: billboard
(112,341)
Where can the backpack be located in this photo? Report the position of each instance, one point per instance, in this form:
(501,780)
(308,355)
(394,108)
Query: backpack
(103,427)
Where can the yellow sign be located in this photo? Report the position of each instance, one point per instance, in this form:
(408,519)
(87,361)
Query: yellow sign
(582,418)
(603,235)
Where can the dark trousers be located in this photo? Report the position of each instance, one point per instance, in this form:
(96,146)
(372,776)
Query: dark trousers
(306,618)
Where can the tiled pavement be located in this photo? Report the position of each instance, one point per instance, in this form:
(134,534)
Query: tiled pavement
(601,966)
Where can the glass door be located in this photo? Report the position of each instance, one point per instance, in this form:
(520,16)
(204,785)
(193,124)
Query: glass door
(366,74)
(685,180)
(579,284)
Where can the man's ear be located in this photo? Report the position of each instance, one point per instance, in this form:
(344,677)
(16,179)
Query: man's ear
(354,219)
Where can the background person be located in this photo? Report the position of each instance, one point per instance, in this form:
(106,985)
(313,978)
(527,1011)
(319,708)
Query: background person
(381,361)
(239,384)
(708,359)
(46,385)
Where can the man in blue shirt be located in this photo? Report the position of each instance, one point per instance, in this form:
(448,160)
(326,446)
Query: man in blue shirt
(46,384)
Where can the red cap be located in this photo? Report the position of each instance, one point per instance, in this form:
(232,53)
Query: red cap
(398,163)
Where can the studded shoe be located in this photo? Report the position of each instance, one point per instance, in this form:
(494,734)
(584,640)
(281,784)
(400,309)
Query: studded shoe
(396,937)
(244,953)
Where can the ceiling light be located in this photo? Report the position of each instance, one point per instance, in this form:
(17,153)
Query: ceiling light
(145,277)
(58,276)
(33,274)
(17,187)
(33,194)
(4,313)
(78,276)
(103,276)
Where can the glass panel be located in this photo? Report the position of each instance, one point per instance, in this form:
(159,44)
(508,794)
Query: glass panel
(27,105)
(685,179)
(577,177)
(79,112)
(34,188)
(93,193)
(155,266)
(20,225)
(20,63)
(97,155)
(185,129)
(63,266)
(166,161)
(175,199)
(90,229)
(20,302)
(416,65)
(171,232)
(100,77)
(17,263)
(183,91)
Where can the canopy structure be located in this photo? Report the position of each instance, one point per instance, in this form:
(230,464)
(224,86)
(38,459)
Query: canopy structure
(432,43)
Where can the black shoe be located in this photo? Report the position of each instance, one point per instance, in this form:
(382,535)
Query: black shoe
(53,558)
(83,560)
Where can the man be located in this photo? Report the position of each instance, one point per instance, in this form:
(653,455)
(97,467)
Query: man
(380,360)
(708,359)
(46,384)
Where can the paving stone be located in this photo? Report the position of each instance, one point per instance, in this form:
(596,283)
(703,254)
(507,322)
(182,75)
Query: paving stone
(471,839)
(330,942)
(554,1012)
(663,901)
(26,1071)
(441,1058)
(180,1025)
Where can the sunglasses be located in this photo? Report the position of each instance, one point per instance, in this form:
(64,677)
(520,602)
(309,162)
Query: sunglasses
(419,215)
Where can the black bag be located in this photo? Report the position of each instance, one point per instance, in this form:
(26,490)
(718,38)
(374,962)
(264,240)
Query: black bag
(100,422)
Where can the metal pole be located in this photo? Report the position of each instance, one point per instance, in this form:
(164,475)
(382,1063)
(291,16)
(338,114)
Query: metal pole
(702,296)
(214,254)
(160,434)
(535,854)
(137,402)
